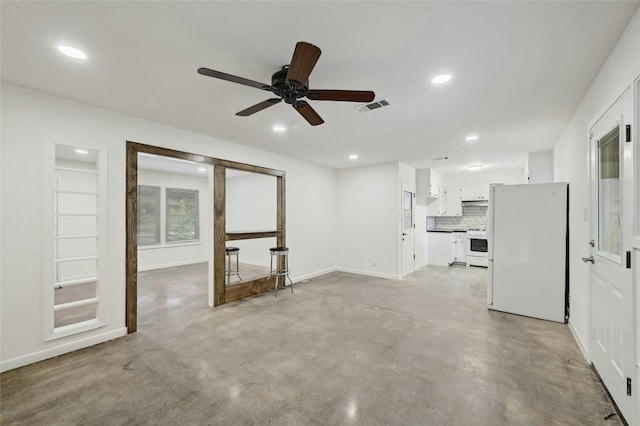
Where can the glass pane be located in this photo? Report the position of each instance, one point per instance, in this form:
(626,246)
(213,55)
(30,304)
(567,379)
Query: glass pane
(609,202)
(182,215)
(148,215)
(408,209)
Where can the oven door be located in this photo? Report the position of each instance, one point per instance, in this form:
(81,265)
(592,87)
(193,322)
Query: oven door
(477,246)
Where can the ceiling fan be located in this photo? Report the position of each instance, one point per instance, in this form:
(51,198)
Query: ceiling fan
(291,84)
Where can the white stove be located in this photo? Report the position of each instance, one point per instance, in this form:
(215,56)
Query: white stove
(477,248)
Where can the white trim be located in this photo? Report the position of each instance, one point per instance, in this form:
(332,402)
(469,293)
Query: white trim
(171,265)
(313,275)
(579,342)
(607,106)
(170,245)
(75,328)
(369,273)
(20,361)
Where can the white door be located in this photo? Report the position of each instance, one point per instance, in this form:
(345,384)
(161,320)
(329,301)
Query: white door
(408,228)
(611,313)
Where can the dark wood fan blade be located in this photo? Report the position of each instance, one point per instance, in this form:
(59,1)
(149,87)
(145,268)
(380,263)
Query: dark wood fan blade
(258,107)
(232,78)
(341,95)
(304,59)
(308,113)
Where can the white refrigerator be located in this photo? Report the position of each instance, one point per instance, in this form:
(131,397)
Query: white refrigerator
(527,242)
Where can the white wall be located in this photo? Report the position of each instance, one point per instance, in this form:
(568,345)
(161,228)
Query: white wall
(30,120)
(368,202)
(167,255)
(508,177)
(539,166)
(251,201)
(570,165)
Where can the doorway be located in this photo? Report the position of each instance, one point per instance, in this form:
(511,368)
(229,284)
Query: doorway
(611,229)
(408,229)
(219,292)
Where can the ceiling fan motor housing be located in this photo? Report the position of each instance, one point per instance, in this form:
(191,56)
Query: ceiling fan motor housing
(287,92)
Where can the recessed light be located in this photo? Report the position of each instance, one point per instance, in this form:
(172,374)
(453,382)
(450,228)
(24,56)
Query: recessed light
(72,52)
(441,79)
(279,128)
(81,151)
(353,157)
(202,169)
(474,167)
(471,138)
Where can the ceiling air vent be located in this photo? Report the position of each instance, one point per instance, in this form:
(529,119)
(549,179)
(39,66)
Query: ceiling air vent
(374,105)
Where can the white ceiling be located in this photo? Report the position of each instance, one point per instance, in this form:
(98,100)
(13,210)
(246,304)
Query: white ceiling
(520,70)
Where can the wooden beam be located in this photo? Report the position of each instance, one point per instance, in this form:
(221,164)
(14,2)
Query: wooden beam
(219,224)
(249,235)
(131,252)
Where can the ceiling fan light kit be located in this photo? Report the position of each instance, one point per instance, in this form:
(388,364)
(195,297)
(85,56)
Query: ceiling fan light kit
(291,83)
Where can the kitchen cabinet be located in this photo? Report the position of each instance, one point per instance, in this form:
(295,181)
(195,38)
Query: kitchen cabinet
(475,192)
(438,248)
(458,247)
(437,206)
(428,184)
(453,202)
(434,190)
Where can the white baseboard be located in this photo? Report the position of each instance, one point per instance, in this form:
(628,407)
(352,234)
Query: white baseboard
(368,273)
(64,348)
(581,345)
(297,279)
(171,264)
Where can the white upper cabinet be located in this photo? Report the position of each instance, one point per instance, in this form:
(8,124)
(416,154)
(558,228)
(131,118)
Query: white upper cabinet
(428,184)
(454,201)
(475,192)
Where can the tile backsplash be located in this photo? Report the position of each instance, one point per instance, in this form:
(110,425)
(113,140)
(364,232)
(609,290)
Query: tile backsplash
(473,217)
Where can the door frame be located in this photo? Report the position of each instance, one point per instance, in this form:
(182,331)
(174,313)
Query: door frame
(404,183)
(635,239)
(221,294)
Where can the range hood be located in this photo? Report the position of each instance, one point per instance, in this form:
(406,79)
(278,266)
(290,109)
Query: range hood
(475,203)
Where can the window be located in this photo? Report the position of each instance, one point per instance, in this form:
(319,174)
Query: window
(182,215)
(148,215)
(609,193)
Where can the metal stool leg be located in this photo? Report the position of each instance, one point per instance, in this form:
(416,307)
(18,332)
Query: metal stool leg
(238,265)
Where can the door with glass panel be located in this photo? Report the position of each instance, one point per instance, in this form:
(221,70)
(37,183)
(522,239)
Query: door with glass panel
(408,230)
(611,313)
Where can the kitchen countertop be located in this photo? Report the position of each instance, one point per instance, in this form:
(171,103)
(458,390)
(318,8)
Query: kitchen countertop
(438,230)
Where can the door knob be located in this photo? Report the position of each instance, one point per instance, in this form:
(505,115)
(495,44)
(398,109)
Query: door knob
(591,243)
(403,234)
(588,259)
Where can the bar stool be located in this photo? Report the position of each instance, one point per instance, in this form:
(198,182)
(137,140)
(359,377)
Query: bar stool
(279,271)
(232,251)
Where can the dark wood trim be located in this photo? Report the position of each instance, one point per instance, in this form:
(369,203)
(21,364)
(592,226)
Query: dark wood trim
(222,294)
(166,152)
(219,223)
(249,235)
(131,252)
(248,167)
(246,289)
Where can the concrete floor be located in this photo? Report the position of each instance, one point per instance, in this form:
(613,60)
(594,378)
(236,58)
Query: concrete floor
(343,349)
